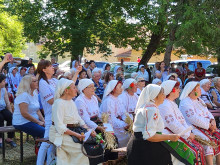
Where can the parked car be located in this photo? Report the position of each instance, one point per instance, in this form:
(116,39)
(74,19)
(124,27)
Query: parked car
(212,71)
(193,63)
(127,65)
(65,66)
(100,64)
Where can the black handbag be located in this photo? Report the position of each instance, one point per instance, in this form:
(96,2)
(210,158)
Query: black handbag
(90,148)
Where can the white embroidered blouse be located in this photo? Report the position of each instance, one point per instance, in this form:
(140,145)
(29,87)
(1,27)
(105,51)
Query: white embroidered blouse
(117,113)
(148,121)
(196,112)
(88,108)
(173,118)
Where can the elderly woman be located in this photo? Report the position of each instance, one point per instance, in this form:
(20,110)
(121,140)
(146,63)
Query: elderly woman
(145,145)
(129,97)
(117,69)
(156,81)
(5,111)
(140,85)
(205,85)
(174,121)
(27,117)
(215,91)
(112,105)
(196,113)
(87,104)
(143,73)
(64,117)
(12,80)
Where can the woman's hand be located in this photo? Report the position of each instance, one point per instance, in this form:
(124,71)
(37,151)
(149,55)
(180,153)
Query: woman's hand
(174,137)
(212,125)
(102,129)
(79,68)
(80,137)
(93,133)
(41,123)
(191,137)
(126,128)
(6,58)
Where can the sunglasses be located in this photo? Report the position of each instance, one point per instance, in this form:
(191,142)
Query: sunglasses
(141,81)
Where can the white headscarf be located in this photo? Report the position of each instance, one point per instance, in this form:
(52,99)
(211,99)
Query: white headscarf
(111,85)
(128,82)
(188,88)
(116,69)
(83,83)
(73,64)
(168,86)
(11,69)
(67,73)
(204,81)
(134,75)
(141,66)
(156,80)
(61,86)
(150,92)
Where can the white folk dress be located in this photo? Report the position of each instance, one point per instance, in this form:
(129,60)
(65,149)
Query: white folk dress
(68,152)
(197,114)
(117,115)
(129,102)
(88,108)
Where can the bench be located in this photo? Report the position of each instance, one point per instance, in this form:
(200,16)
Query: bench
(11,129)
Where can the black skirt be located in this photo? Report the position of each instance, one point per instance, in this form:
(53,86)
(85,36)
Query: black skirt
(140,151)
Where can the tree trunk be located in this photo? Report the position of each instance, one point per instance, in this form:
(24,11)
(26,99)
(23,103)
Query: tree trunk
(169,47)
(153,45)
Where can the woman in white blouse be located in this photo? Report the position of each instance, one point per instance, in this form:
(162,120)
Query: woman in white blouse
(129,97)
(65,115)
(196,113)
(140,85)
(174,121)
(47,86)
(117,114)
(144,146)
(143,73)
(27,116)
(87,104)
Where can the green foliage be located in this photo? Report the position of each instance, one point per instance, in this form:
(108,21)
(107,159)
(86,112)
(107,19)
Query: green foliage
(11,34)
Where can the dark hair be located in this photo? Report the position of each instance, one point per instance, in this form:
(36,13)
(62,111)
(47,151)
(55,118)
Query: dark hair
(176,85)
(2,77)
(119,82)
(91,61)
(107,76)
(189,73)
(43,65)
(159,68)
(199,63)
(172,77)
(87,62)
(83,70)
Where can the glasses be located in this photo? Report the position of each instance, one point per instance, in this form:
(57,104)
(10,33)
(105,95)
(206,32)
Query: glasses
(141,81)
(91,87)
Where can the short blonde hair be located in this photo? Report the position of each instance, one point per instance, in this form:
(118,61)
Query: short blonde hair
(24,85)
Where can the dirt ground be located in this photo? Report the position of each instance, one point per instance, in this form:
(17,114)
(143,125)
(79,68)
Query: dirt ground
(12,155)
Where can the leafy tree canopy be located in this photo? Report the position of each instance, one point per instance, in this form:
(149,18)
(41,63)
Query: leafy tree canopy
(11,34)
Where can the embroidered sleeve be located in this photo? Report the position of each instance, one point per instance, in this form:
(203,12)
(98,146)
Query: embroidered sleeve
(151,117)
(115,118)
(44,90)
(82,108)
(194,118)
(171,122)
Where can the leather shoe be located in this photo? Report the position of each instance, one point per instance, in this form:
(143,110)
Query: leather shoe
(12,143)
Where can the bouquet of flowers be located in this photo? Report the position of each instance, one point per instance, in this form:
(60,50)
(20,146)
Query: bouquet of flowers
(99,139)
